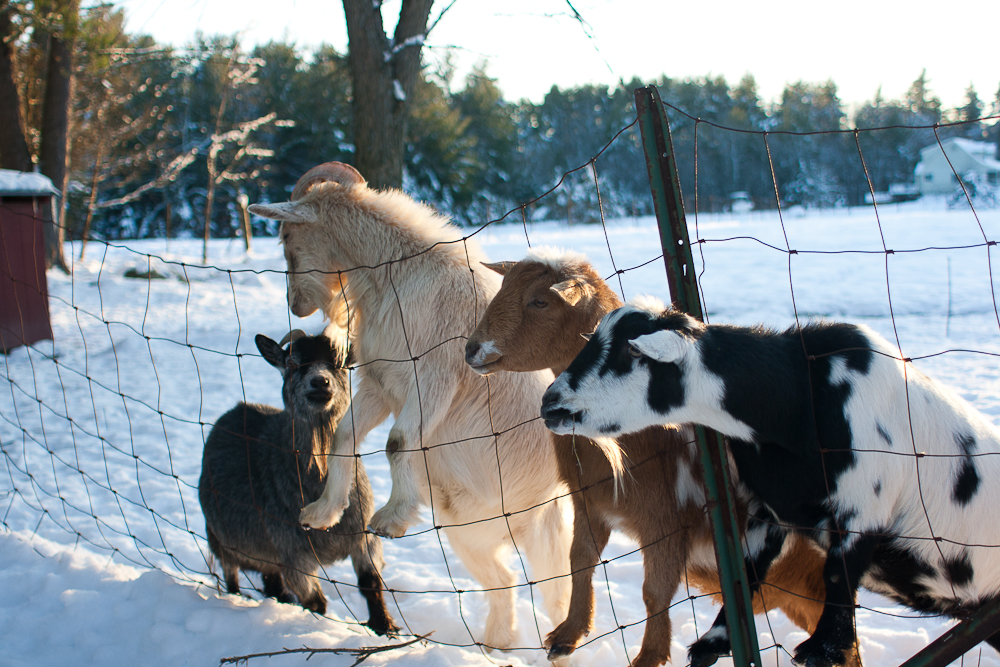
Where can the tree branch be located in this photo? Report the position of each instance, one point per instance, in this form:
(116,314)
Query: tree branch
(362,653)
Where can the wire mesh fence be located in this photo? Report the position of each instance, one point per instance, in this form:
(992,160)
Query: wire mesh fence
(102,430)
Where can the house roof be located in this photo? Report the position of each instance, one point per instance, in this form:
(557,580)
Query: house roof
(25,184)
(982,152)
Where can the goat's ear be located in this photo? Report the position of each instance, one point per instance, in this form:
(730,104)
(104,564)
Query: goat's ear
(285,211)
(500,267)
(271,351)
(666,346)
(571,291)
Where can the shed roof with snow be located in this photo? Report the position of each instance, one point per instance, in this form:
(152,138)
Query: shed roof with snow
(25,184)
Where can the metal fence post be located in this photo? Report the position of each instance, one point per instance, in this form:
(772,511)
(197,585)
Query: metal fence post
(669,207)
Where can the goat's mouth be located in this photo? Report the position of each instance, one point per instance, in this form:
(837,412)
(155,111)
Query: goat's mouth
(319,396)
(560,420)
(485,369)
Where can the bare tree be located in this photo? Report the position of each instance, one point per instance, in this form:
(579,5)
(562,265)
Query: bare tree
(383,74)
(239,71)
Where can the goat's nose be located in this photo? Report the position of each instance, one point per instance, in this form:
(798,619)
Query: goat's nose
(471,350)
(549,398)
(319,382)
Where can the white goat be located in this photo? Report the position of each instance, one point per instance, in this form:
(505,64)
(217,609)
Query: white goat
(470,448)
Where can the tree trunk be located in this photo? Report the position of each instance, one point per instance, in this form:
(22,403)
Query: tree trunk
(95,181)
(14,151)
(383,74)
(53,152)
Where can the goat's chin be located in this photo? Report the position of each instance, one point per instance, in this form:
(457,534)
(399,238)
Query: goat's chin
(302,310)
(563,428)
(484,370)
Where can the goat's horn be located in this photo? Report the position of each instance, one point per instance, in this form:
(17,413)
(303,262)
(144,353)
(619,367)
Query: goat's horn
(328,172)
(503,268)
(292,336)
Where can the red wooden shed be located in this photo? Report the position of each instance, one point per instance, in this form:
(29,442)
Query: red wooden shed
(26,202)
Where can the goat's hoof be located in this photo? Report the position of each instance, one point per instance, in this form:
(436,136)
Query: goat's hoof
(317,515)
(383,526)
(557,651)
(702,656)
(383,627)
(816,653)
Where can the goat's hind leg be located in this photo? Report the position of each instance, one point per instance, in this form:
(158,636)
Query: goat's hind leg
(714,643)
(368,563)
(663,564)
(483,552)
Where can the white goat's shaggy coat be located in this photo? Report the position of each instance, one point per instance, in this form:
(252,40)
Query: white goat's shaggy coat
(413,292)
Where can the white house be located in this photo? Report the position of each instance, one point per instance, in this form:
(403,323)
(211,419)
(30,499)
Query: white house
(973,160)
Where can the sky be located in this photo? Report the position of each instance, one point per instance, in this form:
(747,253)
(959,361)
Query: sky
(529,45)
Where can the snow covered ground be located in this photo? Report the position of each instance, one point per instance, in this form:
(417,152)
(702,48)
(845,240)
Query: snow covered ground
(102,559)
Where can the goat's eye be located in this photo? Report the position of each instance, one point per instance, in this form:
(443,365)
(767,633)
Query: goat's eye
(538,303)
(634,351)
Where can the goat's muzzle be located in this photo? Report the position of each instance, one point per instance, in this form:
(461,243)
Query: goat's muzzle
(320,391)
(479,358)
(557,418)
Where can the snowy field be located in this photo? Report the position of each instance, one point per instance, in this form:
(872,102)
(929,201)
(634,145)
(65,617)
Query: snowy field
(142,369)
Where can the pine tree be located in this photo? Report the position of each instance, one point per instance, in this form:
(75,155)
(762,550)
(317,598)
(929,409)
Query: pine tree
(921,102)
(493,133)
(972,110)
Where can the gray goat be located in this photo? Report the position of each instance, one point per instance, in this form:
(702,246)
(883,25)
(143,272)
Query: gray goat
(261,465)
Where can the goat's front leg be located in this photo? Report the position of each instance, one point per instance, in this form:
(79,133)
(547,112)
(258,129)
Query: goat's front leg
(834,642)
(406,452)
(590,536)
(367,411)
(768,540)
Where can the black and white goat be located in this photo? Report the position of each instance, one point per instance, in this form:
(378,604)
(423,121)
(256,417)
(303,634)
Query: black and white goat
(835,435)
(261,465)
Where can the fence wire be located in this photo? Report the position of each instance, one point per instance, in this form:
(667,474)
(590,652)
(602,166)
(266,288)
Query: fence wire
(101,431)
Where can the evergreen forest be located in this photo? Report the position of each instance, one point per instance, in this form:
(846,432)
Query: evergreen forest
(163,139)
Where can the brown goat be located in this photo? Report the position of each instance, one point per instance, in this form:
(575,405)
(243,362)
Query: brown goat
(537,320)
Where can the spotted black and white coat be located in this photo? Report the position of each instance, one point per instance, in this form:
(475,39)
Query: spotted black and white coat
(835,436)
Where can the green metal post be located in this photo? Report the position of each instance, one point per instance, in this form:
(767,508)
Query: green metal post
(669,207)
